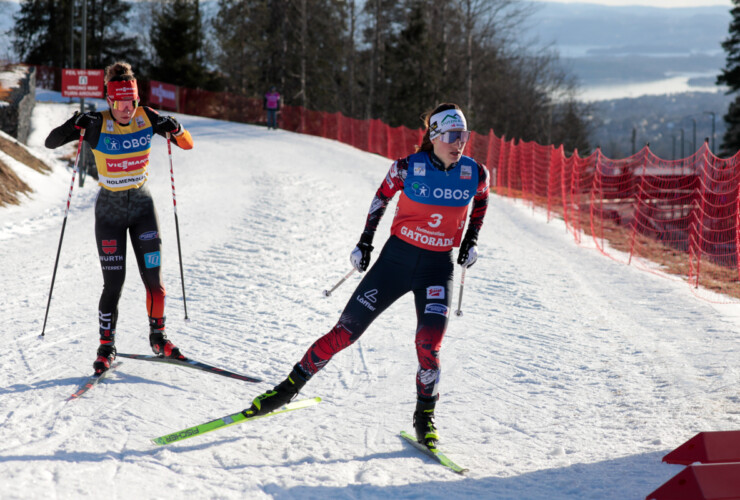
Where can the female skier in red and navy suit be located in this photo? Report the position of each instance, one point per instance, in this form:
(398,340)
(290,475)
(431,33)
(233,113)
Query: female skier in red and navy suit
(437,185)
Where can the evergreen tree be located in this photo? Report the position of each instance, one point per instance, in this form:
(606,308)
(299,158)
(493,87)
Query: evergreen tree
(312,37)
(730,76)
(243,30)
(376,75)
(107,23)
(42,33)
(297,45)
(569,128)
(177,38)
(418,60)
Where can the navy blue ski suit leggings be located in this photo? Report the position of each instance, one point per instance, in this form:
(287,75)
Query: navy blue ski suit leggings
(400,268)
(117,212)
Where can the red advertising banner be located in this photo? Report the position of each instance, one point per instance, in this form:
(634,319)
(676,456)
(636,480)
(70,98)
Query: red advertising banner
(163,95)
(82,83)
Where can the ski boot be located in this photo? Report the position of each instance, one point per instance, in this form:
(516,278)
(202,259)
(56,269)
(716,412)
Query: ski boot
(280,395)
(426,432)
(161,345)
(106,350)
(106,355)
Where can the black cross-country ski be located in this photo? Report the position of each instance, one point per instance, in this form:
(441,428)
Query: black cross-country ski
(234,418)
(433,453)
(190,363)
(92,382)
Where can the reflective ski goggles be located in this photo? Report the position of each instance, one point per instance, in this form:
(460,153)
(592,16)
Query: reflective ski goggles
(124,105)
(455,135)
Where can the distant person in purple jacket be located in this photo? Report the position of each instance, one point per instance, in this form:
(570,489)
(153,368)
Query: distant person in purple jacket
(272,106)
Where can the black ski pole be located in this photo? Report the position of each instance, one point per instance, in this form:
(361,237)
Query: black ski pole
(328,292)
(459,300)
(177,227)
(64,225)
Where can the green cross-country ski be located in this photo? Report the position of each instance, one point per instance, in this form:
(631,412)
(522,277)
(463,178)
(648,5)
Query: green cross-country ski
(433,453)
(234,418)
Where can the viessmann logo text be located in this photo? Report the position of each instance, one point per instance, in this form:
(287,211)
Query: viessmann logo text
(126,164)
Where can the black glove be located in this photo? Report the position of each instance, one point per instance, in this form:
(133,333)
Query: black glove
(360,256)
(85,120)
(468,253)
(168,124)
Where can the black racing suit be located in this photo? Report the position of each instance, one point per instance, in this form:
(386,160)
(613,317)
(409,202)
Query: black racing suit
(124,203)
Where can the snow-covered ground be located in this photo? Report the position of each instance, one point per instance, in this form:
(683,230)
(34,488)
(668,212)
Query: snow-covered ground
(568,376)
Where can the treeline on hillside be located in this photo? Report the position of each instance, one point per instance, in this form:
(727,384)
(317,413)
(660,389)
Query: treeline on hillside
(385,59)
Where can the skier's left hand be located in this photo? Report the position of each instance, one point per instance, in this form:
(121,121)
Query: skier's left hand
(169,124)
(468,253)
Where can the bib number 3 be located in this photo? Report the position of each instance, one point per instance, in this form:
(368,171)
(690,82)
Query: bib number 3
(436,220)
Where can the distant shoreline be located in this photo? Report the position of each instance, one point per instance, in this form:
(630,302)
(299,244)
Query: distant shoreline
(672,85)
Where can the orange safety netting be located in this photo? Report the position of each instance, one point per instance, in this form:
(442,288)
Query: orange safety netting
(682,214)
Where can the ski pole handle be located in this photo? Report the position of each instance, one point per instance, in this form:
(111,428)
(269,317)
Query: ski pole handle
(459,300)
(328,292)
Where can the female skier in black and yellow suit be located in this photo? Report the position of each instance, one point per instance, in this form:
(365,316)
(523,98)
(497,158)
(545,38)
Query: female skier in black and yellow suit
(120,139)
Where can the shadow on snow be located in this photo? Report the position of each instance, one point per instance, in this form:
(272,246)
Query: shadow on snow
(626,478)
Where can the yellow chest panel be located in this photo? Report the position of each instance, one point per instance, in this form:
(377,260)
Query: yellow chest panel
(122,151)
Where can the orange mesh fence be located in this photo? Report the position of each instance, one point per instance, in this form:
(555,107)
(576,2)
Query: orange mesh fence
(680,217)
(682,214)
(613,202)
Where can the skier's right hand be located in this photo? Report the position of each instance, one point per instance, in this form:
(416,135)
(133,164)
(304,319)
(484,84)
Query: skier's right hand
(85,120)
(360,256)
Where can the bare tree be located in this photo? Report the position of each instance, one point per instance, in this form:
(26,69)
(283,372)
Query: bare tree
(302,44)
(233,30)
(486,23)
(351,55)
(374,56)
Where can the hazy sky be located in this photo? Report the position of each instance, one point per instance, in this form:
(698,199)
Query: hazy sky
(653,3)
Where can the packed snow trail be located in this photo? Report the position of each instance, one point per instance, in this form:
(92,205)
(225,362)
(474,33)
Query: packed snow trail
(568,376)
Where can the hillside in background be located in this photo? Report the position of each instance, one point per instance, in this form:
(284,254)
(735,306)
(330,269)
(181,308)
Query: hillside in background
(643,68)
(631,29)
(605,44)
